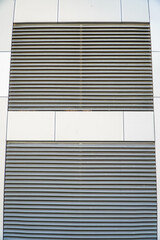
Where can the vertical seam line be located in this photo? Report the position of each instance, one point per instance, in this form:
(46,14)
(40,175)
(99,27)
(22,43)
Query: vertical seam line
(57,10)
(121,9)
(149,11)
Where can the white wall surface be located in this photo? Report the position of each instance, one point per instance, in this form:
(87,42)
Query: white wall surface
(135,11)
(6,21)
(3,117)
(89,10)
(36,11)
(80,126)
(25,125)
(86,126)
(104,126)
(155,24)
(4,73)
(81,11)
(138,126)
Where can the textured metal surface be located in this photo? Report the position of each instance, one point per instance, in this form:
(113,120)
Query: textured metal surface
(83,190)
(81,66)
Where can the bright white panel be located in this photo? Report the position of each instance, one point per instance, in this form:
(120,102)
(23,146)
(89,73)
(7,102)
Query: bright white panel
(82,126)
(2,169)
(156,73)
(135,10)
(6,22)
(30,125)
(155,24)
(138,126)
(4,73)
(89,10)
(3,117)
(157,142)
(36,11)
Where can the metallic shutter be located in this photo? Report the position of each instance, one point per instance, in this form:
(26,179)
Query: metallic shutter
(82,190)
(81,67)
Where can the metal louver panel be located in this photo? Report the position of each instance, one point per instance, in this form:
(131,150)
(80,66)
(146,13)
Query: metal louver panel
(81,67)
(82,190)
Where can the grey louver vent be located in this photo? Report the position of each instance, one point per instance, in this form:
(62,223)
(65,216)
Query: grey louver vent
(81,67)
(83,190)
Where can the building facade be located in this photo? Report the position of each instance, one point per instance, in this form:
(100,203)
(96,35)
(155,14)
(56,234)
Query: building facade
(80,113)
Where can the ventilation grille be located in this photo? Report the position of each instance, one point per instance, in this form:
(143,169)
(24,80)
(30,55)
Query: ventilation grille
(81,67)
(82,190)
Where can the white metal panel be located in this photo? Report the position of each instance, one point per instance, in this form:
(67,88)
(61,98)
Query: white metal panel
(25,125)
(154,21)
(4,73)
(138,126)
(3,117)
(89,126)
(36,11)
(89,11)
(135,11)
(6,23)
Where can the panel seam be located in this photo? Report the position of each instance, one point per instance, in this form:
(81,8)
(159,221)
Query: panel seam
(149,11)
(121,9)
(57,11)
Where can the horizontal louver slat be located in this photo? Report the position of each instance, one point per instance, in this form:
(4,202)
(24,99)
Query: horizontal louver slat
(81,67)
(80,190)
